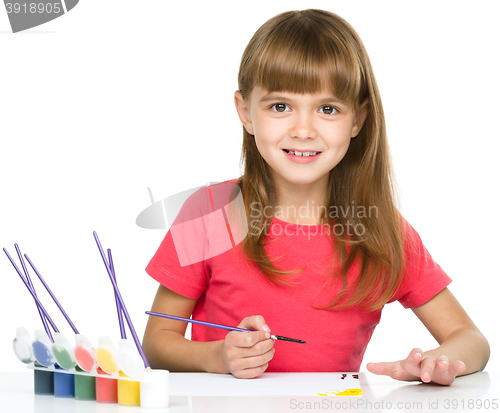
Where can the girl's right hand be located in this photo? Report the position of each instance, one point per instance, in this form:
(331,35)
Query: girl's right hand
(247,355)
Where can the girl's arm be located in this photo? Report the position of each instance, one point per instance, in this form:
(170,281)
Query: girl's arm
(244,355)
(462,350)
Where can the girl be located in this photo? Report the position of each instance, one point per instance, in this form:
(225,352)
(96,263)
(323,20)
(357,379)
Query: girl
(323,246)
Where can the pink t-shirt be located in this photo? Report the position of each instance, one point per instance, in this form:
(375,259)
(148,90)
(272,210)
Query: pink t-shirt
(229,287)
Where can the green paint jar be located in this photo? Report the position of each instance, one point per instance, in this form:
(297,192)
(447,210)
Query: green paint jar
(84,385)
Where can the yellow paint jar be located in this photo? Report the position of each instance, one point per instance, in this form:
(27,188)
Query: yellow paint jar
(129,392)
(106,355)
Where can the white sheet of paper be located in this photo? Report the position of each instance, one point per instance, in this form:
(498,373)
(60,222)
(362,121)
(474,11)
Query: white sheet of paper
(268,384)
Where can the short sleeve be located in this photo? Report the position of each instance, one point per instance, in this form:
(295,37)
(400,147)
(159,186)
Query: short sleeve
(423,277)
(209,223)
(164,267)
(170,265)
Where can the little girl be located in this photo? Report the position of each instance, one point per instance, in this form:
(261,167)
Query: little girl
(321,248)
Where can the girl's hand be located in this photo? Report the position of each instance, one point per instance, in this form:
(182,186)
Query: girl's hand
(428,367)
(246,355)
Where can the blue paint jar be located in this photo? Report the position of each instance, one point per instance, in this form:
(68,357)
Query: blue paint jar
(64,383)
(42,349)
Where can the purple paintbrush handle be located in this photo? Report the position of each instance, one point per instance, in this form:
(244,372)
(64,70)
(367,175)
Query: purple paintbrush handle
(40,307)
(52,295)
(201,323)
(221,326)
(28,279)
(122,303)
(123,334)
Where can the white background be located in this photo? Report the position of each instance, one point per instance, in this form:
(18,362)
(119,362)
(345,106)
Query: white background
(117,96)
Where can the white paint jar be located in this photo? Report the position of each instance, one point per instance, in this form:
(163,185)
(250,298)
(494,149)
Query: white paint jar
(154,389)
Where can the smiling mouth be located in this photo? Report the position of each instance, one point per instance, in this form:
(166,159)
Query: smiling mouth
(297,153)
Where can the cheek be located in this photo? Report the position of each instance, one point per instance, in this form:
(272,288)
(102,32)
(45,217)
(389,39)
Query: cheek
(343,146)
(267,131)
(267,140)
(338,144)
(339,136)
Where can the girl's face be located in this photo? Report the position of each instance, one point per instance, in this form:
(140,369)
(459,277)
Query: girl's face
(318,125)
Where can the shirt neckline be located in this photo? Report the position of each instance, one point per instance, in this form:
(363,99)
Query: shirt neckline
(293,225)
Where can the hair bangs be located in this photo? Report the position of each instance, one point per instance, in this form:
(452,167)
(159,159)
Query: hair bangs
(306,57)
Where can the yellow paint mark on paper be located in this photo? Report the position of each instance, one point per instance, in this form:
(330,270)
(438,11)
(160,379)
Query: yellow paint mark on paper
(349,392)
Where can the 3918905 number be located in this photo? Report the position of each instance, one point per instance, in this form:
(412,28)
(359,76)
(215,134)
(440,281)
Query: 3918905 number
(33,8)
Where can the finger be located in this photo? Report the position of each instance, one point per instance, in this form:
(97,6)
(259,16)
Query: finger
(250,373)
(383,368)
(427,366)
(392,369)
(456,367)
(255,322)
(414,358)
(442,363)
(257,360)
(260,348)
(257,349)
(246,340)
(411,365)
(252,366)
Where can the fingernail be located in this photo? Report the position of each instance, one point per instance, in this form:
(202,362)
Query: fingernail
(265,327)
(268,335)
(426,377)
(419,355)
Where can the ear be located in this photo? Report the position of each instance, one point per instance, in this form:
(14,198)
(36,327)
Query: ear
(242,107)
(361,114)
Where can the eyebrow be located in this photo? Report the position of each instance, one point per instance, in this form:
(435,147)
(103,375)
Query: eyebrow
(272,96)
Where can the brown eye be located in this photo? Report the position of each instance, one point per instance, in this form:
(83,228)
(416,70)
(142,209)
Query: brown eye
(280,107)
(328,110)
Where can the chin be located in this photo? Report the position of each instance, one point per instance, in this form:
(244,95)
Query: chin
(301,180)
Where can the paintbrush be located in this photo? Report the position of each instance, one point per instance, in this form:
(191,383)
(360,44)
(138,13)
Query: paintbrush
(221,326)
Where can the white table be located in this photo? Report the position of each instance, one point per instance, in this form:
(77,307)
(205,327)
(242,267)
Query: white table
(189,392)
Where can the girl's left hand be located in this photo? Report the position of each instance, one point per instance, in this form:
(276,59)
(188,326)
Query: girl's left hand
(418,366)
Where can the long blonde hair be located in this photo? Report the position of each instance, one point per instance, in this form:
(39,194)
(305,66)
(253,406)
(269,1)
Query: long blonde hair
(302,52)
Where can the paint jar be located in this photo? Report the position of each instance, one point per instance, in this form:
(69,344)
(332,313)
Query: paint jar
(128,359)
(85,353)
(106,389)
(42,349)
(154,389)
(63,352)
(106,355)
(84,386)
(129,392)
(22,346)
(64,383)
(44,381)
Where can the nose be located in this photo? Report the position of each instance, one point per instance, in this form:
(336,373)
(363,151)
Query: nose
(303,127)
